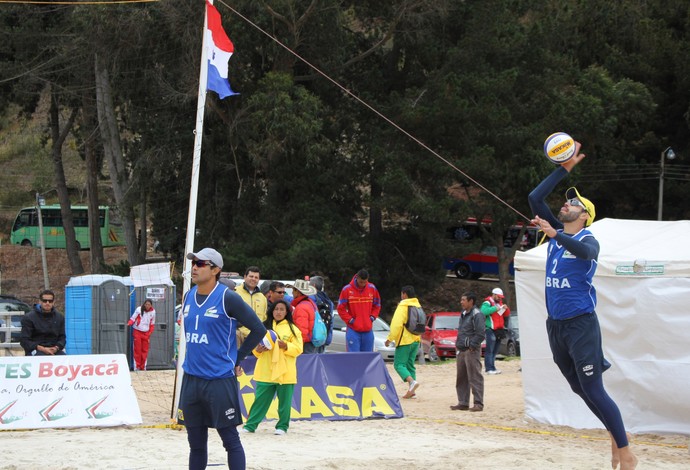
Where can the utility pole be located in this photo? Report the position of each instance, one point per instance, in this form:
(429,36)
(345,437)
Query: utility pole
(39,202)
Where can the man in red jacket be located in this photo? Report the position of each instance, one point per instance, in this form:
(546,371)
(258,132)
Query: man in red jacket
(359,305)
(304,314)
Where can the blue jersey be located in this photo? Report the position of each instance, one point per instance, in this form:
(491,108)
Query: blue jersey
(209,335)
(569,288)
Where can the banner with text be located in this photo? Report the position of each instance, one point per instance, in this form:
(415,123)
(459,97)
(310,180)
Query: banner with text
(342,386)
(66,391)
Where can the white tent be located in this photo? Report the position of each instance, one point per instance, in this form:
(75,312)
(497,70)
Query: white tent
(643,294)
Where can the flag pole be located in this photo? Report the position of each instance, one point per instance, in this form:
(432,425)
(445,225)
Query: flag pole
(196,160)
(191,215)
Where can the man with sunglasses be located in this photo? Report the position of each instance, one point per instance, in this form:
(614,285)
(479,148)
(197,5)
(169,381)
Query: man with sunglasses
(43,328)
(209,395)
(572,326)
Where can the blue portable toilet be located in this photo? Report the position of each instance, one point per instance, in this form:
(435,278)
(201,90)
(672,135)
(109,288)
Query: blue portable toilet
(97,308)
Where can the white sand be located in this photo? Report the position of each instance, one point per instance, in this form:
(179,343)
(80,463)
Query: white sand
(500,437)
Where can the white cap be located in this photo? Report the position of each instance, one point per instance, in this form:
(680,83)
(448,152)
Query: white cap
(207,254)
(498,291)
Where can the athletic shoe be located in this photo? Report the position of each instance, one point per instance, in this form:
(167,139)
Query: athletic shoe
(244,430)
(494,372)
(280,432)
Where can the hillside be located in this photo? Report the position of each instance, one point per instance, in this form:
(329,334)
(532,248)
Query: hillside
(22,270)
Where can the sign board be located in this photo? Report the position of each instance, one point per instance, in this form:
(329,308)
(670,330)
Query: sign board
(66,391)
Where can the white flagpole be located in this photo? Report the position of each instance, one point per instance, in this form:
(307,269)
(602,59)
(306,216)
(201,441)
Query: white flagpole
(191,216)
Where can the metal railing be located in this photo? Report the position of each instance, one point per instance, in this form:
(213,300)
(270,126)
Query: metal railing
(6,330)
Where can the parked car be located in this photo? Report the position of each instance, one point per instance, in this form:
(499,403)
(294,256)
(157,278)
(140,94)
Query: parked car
(10,304)
(438,341)
(381,330)
(510,344)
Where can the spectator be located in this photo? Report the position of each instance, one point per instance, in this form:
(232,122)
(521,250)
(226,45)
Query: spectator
(43,328)
(276,370)
(143,322)
(229,283)
(469,349)
(252,295)
(276,292)
(209,395)
(495,313)
(358,306)
(305,313)
(324,304)
(406,343)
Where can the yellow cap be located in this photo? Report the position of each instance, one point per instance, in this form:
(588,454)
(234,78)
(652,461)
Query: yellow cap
(589,207)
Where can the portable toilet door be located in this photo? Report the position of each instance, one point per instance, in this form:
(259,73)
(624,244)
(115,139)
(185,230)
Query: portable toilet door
(161,347)
(110,327)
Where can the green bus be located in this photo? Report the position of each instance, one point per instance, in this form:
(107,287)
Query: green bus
(25,230)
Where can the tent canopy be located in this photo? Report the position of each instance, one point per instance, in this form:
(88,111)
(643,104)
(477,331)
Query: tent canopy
(642,282)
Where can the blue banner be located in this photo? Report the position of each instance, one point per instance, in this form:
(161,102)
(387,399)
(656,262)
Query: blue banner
(339,386)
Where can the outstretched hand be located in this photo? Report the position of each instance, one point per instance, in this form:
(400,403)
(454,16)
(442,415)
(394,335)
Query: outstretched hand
(577,158)
(544,226)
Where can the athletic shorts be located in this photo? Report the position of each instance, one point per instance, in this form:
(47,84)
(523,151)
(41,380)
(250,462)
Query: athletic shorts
(210,403)
(576,346)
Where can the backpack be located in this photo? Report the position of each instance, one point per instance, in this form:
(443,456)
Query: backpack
(325,312)
(416,320)
(319,332)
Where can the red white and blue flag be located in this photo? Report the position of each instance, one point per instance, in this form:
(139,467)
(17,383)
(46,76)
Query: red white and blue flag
(220,49)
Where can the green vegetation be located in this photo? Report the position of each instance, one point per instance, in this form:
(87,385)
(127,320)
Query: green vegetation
(296,176)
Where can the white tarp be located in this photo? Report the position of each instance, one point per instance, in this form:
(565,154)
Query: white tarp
(644,312)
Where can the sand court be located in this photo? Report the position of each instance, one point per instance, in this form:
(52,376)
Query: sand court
(430,434)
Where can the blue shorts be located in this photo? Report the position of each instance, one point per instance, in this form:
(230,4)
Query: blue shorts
(576,346)
(210,403)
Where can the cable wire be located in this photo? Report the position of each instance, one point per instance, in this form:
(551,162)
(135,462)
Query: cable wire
(374,110)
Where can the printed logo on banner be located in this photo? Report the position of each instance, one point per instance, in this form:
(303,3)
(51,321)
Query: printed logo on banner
(46,414)
(92,409)
(6,418)
(360,389)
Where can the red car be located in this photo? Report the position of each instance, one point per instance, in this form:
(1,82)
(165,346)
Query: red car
(438,341)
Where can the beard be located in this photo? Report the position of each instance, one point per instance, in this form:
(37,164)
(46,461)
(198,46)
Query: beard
(566,217)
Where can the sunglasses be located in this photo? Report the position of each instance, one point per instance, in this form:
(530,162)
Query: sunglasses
(576,202)
(280,292)
(200,263)
(47,301)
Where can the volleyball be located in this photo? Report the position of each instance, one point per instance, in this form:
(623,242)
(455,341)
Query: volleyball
(559,147)
(270,339)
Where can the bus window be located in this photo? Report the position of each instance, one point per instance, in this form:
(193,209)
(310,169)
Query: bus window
(26,218)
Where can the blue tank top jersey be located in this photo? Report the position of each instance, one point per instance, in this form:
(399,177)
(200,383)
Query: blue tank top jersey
(569,288)
(209,335)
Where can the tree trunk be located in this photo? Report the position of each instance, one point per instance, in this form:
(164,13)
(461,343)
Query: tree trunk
(58,137)
(375,217)
(143,237)
(107,124)
(96,258)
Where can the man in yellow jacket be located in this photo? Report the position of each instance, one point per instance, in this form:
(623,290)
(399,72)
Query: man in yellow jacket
(406,343)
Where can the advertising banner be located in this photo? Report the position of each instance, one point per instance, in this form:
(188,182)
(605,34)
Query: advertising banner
(343,386)
(66,391)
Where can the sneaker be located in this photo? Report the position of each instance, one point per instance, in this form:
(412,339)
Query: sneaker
(280,432)
(494,372)
(244,430)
